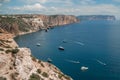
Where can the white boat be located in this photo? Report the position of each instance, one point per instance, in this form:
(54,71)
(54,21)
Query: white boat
(38,44)
(61,48)
(83,68)
(49,60)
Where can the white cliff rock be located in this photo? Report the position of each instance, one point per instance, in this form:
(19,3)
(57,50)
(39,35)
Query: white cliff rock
(18,64)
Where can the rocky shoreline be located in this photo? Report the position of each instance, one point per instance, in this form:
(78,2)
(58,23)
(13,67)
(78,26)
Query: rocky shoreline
(18,63)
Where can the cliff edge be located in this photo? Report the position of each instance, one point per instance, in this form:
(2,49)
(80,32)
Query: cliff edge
(19,64)
(21,24)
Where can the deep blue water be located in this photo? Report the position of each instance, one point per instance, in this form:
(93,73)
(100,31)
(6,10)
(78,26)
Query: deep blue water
(87,42)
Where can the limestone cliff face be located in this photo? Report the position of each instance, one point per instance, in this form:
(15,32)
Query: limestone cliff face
(55,20)
(20,24)
(18,64)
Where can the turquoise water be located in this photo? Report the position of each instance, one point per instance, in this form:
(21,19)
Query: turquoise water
(95,44)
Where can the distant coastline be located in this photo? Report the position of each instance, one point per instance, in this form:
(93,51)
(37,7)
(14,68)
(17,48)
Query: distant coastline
(97,17)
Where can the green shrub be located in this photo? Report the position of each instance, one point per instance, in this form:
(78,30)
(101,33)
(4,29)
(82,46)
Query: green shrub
(14,51)
(34,77)
(2,78)
(39,61)
(1,49)
(7,46)
(60,76)
(44,74)
(14,75)
(42,65)
(8,51)
(34,59)
(39,71)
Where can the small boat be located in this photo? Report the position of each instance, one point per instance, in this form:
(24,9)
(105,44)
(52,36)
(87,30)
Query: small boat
(61,48)
(38,44)
(49,60)
(83,68)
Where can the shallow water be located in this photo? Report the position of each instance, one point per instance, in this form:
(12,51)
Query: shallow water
(92,43)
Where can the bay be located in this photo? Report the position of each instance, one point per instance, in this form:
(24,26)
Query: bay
(95,44)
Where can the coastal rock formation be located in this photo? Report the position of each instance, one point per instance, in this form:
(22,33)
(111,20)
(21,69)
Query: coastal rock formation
(18,64)
(56,20)
(21,24)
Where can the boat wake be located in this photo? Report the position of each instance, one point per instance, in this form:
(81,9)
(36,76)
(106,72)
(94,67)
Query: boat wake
(71,41)
(80,43)
(100,62)
(72,61)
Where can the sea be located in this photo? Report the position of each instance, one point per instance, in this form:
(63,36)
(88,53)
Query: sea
(91,44)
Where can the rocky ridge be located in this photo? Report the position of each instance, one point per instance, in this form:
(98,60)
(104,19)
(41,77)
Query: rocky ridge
(21,24)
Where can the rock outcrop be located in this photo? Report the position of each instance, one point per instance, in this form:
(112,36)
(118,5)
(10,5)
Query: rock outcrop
(21,24)
(18,64)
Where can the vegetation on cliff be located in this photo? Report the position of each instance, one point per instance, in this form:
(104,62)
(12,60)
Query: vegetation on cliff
(17,24)
(17,64)
(13,25)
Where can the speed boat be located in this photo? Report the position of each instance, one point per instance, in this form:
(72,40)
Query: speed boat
(49,60)
(83,68)
(61,48)
(38,44)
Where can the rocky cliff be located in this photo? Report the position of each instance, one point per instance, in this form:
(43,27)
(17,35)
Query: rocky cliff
(20,24)
(18,64)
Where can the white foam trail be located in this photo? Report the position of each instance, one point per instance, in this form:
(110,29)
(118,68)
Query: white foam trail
(100,62)
(80,43)
(76,62)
